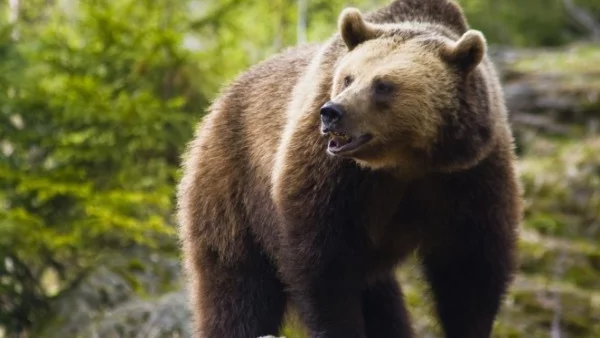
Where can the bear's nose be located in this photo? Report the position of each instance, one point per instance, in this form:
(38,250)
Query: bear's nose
(331,112)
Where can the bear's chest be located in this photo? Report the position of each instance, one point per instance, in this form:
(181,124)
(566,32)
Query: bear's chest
(394,223)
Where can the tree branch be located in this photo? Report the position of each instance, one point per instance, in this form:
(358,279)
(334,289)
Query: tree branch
(583,19)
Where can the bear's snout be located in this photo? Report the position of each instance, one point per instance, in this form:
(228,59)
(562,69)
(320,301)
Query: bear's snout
(330,114)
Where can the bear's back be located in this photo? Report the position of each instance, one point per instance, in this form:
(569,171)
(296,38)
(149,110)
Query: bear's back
(441,12)
(258,101)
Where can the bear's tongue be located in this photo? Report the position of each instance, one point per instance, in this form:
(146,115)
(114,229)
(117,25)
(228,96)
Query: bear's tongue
(338,141)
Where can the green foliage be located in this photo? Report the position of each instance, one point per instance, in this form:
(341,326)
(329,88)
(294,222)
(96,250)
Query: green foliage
(93,118)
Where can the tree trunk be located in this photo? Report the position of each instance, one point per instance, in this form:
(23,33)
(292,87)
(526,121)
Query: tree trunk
(302,16)
(13,17)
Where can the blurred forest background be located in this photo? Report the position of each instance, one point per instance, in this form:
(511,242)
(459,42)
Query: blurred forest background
(99,97)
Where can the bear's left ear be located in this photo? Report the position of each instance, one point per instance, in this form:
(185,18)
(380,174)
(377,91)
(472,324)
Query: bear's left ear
(354,29)
(467,52)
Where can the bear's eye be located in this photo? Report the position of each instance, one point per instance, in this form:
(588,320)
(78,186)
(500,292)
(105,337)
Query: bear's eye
(382,88)
(347,80)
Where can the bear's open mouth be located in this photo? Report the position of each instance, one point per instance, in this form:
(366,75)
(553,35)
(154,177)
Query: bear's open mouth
(342,143)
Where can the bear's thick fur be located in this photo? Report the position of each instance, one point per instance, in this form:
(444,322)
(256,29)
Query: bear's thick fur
(319,170)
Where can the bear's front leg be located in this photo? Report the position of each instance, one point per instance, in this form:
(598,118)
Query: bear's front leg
(471,260)
(325,282)
(468,284)
(321,257)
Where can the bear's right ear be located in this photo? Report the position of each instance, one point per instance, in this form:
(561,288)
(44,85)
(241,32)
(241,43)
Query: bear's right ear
(354,29)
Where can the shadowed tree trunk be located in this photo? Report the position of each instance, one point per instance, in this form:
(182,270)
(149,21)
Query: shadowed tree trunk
(583,19)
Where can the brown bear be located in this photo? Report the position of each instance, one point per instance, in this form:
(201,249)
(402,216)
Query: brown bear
(319,170)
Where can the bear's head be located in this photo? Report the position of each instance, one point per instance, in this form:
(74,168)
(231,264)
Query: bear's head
(407,96)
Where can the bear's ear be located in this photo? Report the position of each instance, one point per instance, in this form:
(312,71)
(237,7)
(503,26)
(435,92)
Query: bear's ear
(354,29)
(467,52)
